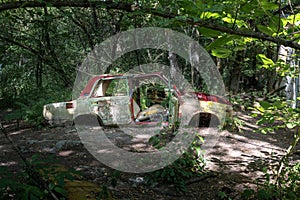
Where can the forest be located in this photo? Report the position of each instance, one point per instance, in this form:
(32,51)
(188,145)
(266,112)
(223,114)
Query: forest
(255,47)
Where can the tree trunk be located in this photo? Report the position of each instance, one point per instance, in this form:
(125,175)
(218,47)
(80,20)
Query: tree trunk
(234,84)
(292,83)
(235,81)
(54,62)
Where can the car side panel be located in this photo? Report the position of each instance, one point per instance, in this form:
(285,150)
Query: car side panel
(218,109)
(112,110)
(57,113)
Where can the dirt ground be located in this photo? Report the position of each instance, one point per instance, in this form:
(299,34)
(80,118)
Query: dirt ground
(236,160)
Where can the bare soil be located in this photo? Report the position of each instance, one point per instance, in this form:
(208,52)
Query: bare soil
(236,160)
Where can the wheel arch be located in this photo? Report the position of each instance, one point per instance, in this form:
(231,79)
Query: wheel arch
(204,119)
(88,119)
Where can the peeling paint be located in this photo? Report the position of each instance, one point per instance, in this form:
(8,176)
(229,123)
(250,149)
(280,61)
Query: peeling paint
(112,102)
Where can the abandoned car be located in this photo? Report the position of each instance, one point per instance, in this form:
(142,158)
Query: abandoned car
(134,100)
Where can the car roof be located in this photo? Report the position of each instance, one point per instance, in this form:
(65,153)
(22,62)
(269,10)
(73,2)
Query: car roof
(87,89)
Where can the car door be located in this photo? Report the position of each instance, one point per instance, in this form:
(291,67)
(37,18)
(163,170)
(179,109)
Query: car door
(151,91)
(111,102)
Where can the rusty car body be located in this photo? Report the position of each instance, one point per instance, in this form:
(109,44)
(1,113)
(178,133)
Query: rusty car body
(136,99)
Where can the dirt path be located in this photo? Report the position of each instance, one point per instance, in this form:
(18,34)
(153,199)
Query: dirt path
(237,160)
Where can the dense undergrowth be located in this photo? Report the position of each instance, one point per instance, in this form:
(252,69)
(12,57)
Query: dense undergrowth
(281,183)
(272,113)
(29,106)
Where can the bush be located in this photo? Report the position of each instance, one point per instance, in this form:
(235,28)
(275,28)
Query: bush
(273,115)
(289,187)
(190,164)
(29,106)
(24,186)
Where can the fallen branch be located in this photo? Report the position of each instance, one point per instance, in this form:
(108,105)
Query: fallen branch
(273,92)
(205,176)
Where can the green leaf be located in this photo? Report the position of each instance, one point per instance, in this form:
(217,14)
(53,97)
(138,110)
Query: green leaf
(278,104)
(233,20)
(266,61)
(222,195)
(221,52)
(264,131)
(189,7)
(247,193)
(290,125)
(239,48)
(61,191)
(265,29)
(209,32)
(209,15)
(51,186)
(263,194)
(261,121)
(172,173)
(266,5)
(265,104)
(221,41)
(275,23)
(181,18)
(248,7)
(201,139)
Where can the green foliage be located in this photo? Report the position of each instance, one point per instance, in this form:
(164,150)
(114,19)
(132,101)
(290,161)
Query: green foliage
(282,68)
(223,195)
(221,52)
(276,114)
(30,112)
(112,182)
(233,124)
(288,189)
(190,164)
(265,29)
(23,186)
(266,62)
(47,44)
(104,194)
(29,106)
(243,101)
(114,178)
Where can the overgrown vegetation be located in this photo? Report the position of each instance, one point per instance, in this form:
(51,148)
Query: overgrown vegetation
(190,164)
(23,185)
(29,106)
(284,181)
(255,44)
(288,188)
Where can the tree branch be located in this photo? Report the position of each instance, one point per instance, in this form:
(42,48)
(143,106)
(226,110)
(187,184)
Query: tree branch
(46,59)
(132,7)
(240,32)
(287,9)
(28,48)
(65,3)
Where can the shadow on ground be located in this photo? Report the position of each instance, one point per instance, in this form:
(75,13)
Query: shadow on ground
(237,160)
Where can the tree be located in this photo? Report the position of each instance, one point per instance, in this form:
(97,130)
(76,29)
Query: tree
(42,43)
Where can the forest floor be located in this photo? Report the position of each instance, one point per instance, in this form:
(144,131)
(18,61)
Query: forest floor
(236,161)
